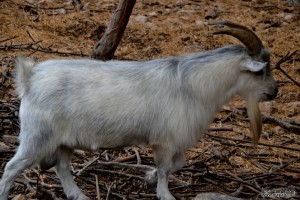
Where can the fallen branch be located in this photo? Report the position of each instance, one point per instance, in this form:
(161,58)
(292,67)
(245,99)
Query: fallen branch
(30,46)
(85,179)
(11,38)
(49,50)
(32,5)
(136,166)
(248,141)
(87,165)
(238,191)
(66,7)
(33,40)
(288,125)
(258,165)
(284,124)
(26,183)
(138,157)
(117,164)
(247,184)
(286,164)
(19,46)
(116,173)
(37,187)
(125,159)
(108,191)
(97,187)
(282,60)
(221,129)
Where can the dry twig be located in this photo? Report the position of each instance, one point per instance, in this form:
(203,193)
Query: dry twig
(285,58)
(97,187)
(11,38)
(125,159)
(138,157)
(87,165)
(284,124)
(248,141)
(108,191)
(31,46)
(247,184)
(116,173)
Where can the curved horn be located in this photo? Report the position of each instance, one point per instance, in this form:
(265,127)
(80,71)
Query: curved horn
(245,35)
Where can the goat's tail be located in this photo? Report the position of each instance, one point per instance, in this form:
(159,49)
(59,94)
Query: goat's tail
(23,73)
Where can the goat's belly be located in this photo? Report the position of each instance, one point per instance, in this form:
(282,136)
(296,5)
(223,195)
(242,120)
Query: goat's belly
(119,141)
(92,140)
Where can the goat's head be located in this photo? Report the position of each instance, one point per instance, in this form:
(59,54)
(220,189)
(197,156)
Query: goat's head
(258,81)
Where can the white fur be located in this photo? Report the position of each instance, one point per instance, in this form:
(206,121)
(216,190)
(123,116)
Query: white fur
(165,103)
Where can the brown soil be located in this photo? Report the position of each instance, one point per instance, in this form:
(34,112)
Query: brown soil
(167,28)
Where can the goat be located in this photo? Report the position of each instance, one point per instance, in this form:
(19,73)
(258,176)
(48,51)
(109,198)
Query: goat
(166,104)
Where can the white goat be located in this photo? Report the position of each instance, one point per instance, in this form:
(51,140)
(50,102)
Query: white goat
(166,104)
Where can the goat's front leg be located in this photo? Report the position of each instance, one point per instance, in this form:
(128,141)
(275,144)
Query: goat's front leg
(167,160)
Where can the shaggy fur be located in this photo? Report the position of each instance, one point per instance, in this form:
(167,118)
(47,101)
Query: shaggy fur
(166,104)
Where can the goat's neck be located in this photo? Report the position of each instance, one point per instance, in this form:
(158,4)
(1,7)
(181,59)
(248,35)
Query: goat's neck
(213,87)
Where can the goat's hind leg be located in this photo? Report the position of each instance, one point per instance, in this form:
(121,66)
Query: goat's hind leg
(62,166)
(25,157)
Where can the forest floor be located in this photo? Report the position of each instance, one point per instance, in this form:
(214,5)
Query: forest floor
(223,161)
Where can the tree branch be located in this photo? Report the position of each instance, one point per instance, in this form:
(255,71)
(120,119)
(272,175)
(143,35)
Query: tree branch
(108,44)
(282,60)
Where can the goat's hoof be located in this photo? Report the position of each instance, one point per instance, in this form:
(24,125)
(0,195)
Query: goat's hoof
(164,194)
(83,197)
(151,178)
(79,197)
(166,197)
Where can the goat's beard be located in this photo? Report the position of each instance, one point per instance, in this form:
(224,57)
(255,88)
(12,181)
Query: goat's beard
(255,118)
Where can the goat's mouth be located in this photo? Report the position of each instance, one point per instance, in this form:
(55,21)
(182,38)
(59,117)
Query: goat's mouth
(268,96)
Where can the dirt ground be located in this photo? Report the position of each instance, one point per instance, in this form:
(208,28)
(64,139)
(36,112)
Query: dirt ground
(223,161)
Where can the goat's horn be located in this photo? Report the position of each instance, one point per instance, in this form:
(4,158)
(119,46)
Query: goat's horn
(245,35)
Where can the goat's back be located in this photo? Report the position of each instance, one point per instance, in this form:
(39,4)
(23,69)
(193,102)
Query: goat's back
(103,104)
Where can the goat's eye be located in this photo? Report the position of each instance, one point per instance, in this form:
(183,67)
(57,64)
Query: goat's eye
(259,73)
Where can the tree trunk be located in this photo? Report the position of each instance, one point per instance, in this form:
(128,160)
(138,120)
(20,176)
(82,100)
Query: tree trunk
(106,47)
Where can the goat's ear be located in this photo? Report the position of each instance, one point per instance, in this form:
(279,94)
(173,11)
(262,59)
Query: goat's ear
(253,66)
